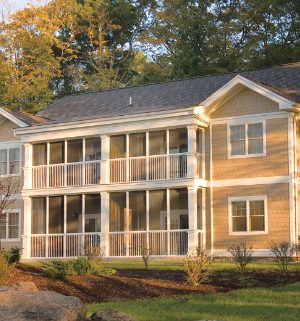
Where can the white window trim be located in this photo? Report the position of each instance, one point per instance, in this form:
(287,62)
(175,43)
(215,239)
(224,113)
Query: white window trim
(246,123)
(6,226)
(8,146)
(247,199)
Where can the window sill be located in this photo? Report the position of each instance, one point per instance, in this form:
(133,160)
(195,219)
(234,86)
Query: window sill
(248,233)
(246,156)
(10,240)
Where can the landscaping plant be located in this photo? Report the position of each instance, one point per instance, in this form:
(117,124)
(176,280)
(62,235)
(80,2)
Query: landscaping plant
(5,269)
(59,268)
(283,252)
(146,254)
(197,267)
(242,254)
(13,255)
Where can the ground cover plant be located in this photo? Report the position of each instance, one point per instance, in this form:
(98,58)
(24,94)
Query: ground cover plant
(257,304)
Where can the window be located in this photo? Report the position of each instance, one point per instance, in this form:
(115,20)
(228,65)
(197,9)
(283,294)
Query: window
(9,225)
(10,161)
(246,140)
(248,215)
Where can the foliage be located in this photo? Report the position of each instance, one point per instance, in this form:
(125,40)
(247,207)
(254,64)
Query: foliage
(5,268)
(242,254)
(81,266)
(59,268)
(13,255)
(197,267)
(100,269)
(146,254)
(92,252)
(283,252)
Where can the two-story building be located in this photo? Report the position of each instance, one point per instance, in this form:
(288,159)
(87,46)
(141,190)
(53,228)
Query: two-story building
(206,161)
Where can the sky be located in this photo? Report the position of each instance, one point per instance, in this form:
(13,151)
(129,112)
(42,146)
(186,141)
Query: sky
(19,4)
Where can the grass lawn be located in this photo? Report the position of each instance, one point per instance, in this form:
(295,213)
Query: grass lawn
(217,265)
(257,304)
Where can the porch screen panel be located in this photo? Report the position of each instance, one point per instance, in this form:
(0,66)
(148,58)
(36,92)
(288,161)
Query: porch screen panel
(199,140)
(38,215)
(39,154)
(199,209)
(158,142)
(57,152)
(137,211)
(117,212)
(158,210)
(92,220)
(179,209)
(74,151)
(56,214)
(117,146)
(92,149)
(137,145)
(74,214)
(178,140)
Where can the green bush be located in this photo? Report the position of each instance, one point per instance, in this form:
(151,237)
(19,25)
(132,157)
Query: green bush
(283,252)
(13,255)
(82,266)
(5,269)
(59,269)
(99,269)
(242,254)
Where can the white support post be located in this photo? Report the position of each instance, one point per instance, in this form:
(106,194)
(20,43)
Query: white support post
(26,237)
(105,166)
(104,238)
(192,232)
(192,152)
(27,166)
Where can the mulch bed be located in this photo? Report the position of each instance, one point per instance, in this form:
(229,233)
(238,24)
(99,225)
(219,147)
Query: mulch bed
(128,284)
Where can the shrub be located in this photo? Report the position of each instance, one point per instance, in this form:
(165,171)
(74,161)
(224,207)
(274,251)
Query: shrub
(99,269)
(92,252)
(81,266)
(283,252)
(242,254)
(5,269)
(197,267)
(59,268)
(13,255)
(146,254)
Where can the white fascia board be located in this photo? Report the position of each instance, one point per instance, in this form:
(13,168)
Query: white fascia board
(109,121)
(12,118)
(210,103)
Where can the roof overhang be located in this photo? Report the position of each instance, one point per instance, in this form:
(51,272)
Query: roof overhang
(12,118)
(237,84)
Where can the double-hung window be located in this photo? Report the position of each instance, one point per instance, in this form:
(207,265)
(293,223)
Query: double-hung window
(9,225)
(248,215)
(246,140)
(10,161)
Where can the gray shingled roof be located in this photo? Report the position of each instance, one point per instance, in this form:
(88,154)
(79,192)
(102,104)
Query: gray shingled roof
(165,96)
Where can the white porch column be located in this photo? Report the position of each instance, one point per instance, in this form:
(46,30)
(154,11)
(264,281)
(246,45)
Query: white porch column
(26,228)
(27,166)
(104,241)
(192,232)
(105,170)
(191,159)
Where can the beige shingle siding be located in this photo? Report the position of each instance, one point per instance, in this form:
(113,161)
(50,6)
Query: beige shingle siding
(275,163)
(7,131)
(247,102)
(278,215)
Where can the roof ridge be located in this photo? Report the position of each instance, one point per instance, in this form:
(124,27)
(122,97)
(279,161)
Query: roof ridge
(175,80)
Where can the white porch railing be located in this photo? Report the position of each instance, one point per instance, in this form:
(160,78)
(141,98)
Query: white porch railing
(62,245)
(158,242)
(151,168)
(131,244)
(70,174)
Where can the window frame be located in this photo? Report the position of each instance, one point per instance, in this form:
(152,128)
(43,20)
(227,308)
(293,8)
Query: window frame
(7,212)
(246,123)
(248,199)
(9,146)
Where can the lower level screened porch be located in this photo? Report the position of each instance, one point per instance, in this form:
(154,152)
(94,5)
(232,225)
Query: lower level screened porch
(168,222)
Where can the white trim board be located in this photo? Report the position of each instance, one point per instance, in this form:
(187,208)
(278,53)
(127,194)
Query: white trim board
(256,253)
(251,181)
(12,118)
(234,86)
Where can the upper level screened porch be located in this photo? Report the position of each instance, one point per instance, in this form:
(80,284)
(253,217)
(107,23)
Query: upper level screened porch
(132,157)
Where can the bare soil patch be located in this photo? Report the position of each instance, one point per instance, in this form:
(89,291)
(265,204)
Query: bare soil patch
(128,284)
